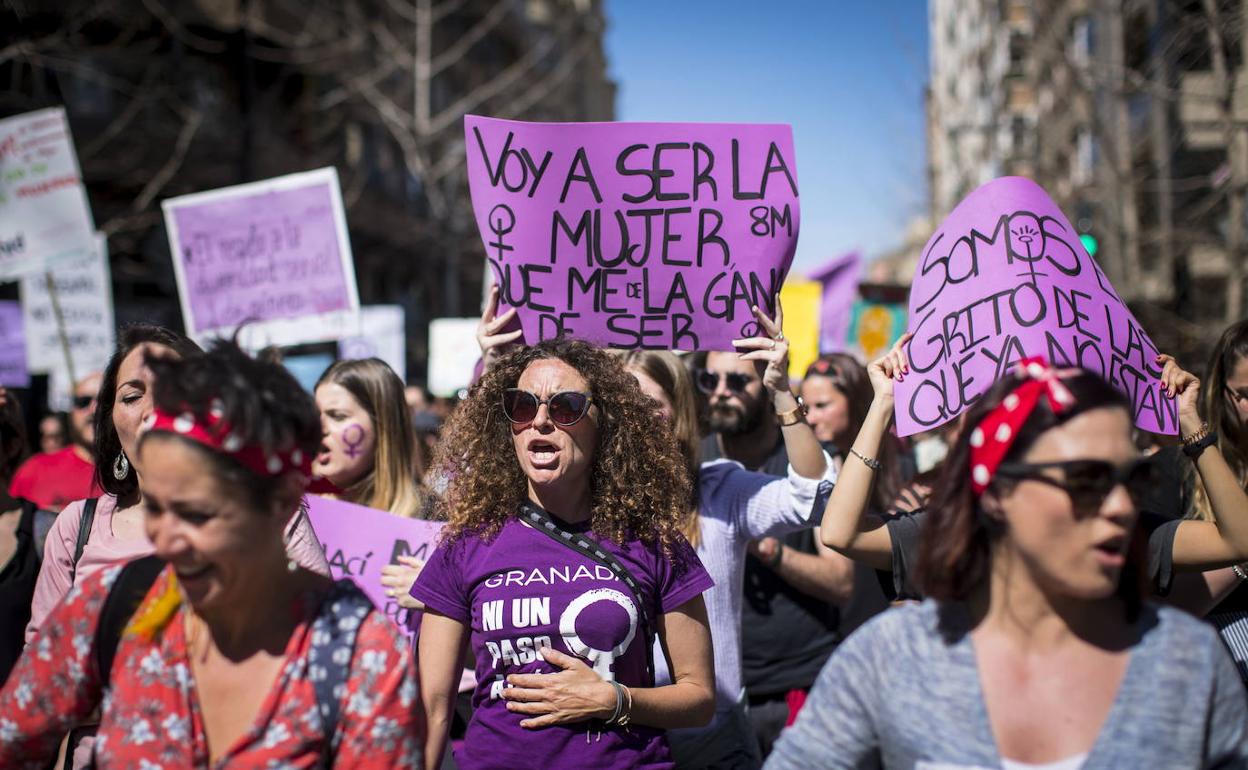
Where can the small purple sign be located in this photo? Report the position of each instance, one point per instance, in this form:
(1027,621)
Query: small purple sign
(273,252)
(13,372)
(635,235)
(359,541)
(1006,277)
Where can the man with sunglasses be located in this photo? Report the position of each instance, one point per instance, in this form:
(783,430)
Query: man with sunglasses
(790,615)
(53,480)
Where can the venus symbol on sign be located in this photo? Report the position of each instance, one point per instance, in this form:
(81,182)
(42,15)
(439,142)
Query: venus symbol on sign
(502,221)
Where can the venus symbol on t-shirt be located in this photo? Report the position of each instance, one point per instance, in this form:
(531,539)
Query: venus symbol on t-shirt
(600,659)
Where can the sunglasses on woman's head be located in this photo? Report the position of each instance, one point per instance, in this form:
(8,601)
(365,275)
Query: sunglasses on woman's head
(1087,482)
(565,408)
(708,380)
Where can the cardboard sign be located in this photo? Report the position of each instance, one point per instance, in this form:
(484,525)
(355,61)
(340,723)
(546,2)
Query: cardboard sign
(635,235)
(359,541)
(273,255)
(45,218)
(383,335)
(1006,277)
(801,301)
(13,371)
(874,327)
(85,293)
(453,355)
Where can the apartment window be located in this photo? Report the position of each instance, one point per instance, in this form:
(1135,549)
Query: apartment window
(1087,153)
(1083,40)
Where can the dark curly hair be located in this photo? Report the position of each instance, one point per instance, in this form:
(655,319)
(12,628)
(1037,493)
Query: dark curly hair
(639,486)
(955,549)
(107,445)
(263,403)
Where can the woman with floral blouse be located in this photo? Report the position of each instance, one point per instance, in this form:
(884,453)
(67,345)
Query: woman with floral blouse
(236,655)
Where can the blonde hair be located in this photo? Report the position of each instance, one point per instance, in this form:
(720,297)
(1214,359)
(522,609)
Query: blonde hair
(670,374)
(391,484)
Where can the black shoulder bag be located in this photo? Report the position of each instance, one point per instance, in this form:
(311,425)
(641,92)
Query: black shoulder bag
(543,522)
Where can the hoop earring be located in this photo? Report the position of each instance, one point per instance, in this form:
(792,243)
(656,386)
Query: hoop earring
(121,467)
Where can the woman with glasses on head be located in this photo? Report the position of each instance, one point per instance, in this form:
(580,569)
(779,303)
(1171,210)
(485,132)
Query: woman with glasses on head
(729,507)
(560,564)
(218,650)
(1032,565)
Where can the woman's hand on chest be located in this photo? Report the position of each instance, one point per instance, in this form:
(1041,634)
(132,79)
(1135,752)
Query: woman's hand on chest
(575,693)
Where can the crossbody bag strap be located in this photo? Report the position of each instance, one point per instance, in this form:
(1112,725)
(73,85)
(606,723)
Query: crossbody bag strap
(84,534)
(543,522)
(334,632)
(124,597)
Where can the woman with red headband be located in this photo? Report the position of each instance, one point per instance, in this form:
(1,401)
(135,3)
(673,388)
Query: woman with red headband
(219,649)
(1035,647)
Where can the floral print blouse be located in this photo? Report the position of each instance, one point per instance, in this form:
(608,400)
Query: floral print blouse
(151,717)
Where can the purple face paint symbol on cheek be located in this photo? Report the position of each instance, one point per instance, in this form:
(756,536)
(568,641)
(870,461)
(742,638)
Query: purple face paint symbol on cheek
(352,438)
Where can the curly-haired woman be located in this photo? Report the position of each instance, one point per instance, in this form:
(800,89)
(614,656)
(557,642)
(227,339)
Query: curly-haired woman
(558,436)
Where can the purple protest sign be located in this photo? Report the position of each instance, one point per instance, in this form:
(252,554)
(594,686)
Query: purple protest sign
(359,541)
(13,371)
(1006,277)
(273,254)
(635,235)
(840,288)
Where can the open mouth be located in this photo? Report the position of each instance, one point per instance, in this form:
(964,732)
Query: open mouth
(188,575)
(1112,551)
(543,453)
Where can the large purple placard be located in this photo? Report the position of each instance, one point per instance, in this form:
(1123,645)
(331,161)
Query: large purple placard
(1006,277)
(272,253)
(13,371)
(359,541)
(635,235)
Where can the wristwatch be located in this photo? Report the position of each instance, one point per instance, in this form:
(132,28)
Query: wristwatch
(793,416)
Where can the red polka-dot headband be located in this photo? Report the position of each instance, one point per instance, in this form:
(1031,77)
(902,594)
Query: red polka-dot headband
(992,438)
(214,433)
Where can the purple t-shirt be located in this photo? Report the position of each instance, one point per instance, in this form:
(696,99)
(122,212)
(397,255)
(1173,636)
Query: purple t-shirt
(522,591)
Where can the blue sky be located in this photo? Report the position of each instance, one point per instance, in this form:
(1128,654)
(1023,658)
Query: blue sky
(847,74)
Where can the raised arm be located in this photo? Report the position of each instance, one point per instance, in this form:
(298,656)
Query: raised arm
(805,454)
(440,652)
(846,527)
(492,337)
(1202,545)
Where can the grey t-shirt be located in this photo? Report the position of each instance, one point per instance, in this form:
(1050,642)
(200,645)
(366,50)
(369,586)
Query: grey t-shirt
(901,694)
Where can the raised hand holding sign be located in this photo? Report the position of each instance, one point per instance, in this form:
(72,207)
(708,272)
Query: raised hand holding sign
(1006,277)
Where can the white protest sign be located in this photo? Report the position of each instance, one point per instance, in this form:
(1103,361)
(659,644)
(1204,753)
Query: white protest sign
(45,218)
(453,354)
(273,256)
(84,292)
(382,335)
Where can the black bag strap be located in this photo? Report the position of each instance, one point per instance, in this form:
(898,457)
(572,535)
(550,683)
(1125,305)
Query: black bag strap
(125,596)
(84,534)
(543,522)
(334,632)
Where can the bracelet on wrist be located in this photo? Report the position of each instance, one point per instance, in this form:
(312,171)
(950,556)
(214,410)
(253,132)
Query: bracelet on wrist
(1239,572)
(870,462)
(1196,447)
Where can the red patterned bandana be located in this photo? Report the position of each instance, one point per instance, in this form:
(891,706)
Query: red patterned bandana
(214,433)
(992,438)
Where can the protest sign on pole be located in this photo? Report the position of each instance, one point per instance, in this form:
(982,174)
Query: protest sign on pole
(635,235)
(273,255)
(839,279)
(874,327)
(84,292)
(45,218)
(383,335)
(801,300)
(359,541)
(13,371)
(453,355)
(1006,277)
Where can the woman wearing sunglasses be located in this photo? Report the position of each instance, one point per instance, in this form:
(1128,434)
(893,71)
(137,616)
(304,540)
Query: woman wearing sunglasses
(1035,646)
(564,501)
(1175,546)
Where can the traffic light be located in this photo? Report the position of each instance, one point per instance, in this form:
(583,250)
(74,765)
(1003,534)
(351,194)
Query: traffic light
(1089,243)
